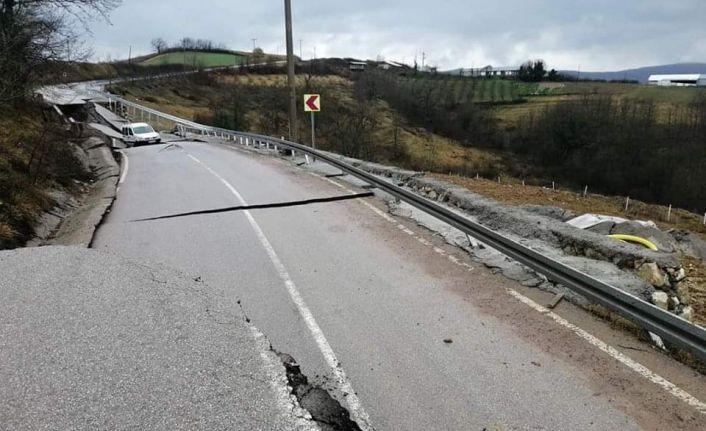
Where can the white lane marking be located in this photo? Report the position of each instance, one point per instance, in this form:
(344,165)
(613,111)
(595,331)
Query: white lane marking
(591,339)
(125,168)
(344,385)
(625,360)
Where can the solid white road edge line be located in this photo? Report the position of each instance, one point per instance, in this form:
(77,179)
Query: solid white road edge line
(591,339)
(125,168)
(355,407)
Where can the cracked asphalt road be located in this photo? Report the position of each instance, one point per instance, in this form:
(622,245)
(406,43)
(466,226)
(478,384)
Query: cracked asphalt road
(384,302)
(89,341)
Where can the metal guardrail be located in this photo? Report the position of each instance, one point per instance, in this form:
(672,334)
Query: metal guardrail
(673,329)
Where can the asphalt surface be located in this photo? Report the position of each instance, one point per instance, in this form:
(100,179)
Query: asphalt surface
(417,353)
(93,341)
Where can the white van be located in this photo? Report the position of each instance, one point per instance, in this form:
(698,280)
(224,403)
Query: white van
(140,133)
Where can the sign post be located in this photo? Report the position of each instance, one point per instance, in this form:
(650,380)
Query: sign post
(312,103)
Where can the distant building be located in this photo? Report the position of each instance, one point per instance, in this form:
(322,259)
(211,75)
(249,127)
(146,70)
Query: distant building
(387,65)
(487,71)
(684,80)
(357,66)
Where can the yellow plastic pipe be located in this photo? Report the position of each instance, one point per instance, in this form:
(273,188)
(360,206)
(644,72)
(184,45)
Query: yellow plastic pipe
(637,240)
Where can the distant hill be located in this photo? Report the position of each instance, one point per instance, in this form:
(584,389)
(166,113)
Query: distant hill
(643,73)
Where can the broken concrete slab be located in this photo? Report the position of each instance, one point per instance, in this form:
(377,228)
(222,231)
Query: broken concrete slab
(549,211)
(602,228)
(689,243)
(601,270)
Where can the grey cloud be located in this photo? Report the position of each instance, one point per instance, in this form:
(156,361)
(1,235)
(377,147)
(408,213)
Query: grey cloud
(598,34)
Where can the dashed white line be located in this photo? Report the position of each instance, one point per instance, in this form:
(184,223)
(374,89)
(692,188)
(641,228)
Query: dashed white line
(343,383)
(642,370)
(625,360)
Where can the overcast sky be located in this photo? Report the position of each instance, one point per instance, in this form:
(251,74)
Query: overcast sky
(593,34)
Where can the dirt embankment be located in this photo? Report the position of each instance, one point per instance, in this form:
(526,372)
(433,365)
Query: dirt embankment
(49,173)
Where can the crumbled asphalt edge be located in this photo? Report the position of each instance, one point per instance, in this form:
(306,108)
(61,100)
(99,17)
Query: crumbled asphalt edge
(279,382)
(315,401)
(324,409)
(109,208)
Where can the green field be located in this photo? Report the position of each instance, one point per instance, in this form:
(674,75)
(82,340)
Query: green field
(501,91)
(675,95)
(195,59)
(548,94)
(489,91)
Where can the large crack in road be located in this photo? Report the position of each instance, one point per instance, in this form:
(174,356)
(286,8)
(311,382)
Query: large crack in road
(324,409)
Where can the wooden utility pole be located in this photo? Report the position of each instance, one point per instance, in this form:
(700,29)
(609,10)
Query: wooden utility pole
(290,73)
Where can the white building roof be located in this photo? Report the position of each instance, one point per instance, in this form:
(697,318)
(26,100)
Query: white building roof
(677,77)
(507,68)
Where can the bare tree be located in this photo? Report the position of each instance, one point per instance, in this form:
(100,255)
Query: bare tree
(159,45)
(37,35)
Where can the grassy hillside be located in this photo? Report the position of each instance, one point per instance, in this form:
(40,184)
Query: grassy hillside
(196,59)
(349,124)
(619,139)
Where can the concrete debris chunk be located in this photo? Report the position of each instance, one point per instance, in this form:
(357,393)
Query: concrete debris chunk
(683,293)
(651,273)
(687,314)
(657,341)
(661,300)
(555,300)
(673,303)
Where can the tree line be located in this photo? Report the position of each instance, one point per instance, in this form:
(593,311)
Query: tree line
(443,105)
(622,147)
(37,38)
(161,46)
(618,146)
